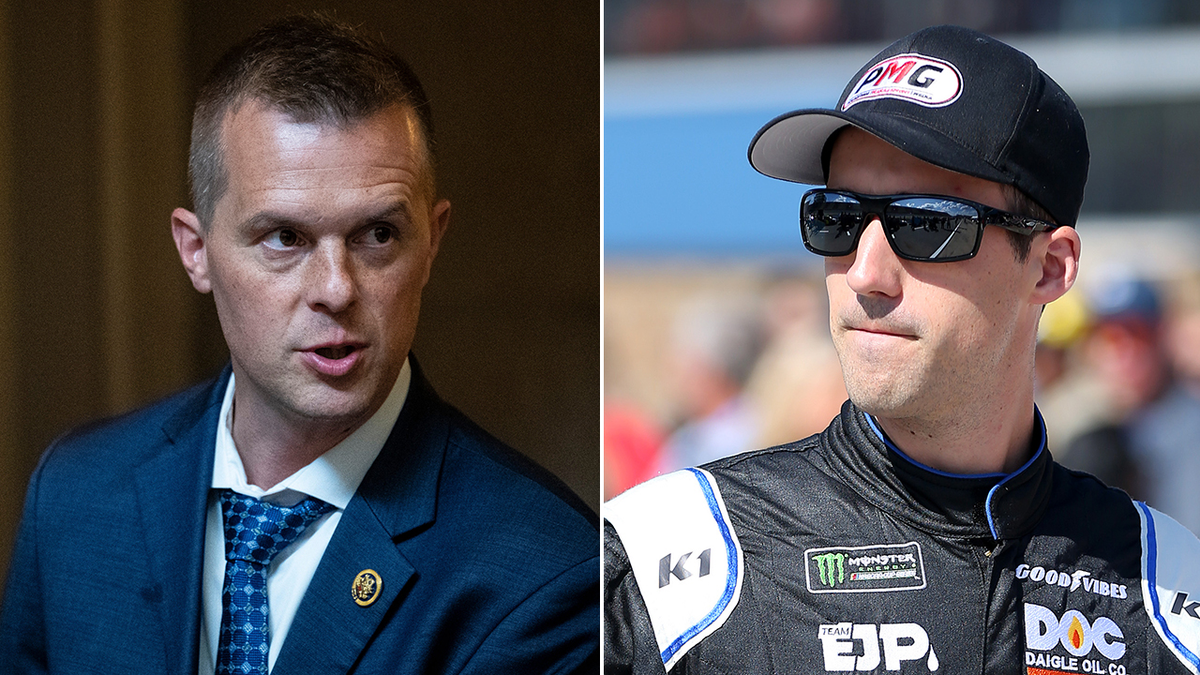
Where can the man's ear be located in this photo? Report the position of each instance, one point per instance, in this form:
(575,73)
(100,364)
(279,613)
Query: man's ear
(189,240)
(1059,265)
(439,220)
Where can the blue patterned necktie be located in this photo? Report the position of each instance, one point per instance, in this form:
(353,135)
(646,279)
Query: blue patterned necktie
(255,532)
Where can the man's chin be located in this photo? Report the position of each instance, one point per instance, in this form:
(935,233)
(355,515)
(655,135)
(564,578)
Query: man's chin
(335,407)
(880,401)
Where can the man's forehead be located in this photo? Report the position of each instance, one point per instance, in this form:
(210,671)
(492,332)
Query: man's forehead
(398,118)
(256,133)
(856,146)
(862,161)
(307,171)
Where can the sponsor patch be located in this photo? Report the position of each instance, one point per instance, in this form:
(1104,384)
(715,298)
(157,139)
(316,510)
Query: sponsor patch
(1182,607)
(684,554)
(928,82)
(1090,645)
(680,569)
(1072,581)
(864,569)
(866,646)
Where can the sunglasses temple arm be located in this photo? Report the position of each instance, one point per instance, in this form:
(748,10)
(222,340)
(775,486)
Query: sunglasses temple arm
(1019,224)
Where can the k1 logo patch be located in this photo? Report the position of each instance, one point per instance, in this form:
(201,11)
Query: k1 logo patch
(928,82)
(864,569)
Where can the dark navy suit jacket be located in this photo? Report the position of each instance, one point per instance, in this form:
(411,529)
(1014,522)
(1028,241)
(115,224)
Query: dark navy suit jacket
(489,563)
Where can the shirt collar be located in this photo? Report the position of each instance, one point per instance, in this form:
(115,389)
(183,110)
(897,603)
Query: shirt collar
(992,506)
(1007,500)
(334,476)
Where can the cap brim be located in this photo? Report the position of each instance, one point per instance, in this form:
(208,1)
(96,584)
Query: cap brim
(789,147)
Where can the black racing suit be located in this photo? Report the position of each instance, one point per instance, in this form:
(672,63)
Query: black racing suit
(838,553)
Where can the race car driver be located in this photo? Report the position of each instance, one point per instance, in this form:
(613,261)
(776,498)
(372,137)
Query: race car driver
(927,528)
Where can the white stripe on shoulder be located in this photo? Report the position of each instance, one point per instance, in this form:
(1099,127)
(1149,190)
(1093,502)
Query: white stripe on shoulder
(685,556)
(1171,583)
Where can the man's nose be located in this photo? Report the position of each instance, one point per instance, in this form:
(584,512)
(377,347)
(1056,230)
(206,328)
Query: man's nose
(876,268)
(330,286)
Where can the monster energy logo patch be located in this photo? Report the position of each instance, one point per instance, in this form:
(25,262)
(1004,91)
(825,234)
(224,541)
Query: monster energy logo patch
(827,563)
(862,569)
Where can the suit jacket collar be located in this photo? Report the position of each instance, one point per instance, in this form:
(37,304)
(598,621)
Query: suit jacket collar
(172,492)
(402,485)
(397,499)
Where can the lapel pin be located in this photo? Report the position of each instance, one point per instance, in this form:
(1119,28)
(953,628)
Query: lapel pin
(366,587)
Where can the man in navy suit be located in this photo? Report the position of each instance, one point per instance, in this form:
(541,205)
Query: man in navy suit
(316,508)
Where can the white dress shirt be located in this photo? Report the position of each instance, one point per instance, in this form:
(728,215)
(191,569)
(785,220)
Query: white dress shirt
(333,478)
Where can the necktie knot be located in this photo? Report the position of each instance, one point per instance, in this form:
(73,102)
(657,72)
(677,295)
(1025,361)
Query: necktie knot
(257,531)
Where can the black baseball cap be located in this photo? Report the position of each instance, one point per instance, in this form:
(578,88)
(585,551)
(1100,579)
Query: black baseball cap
(955,98)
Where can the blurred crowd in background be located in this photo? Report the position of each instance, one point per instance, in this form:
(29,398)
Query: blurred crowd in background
(1118,377)
(735,370)
(661,26)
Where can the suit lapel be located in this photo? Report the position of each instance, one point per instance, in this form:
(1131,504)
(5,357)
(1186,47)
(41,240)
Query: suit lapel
(172,492)
(328,608)
(397,496)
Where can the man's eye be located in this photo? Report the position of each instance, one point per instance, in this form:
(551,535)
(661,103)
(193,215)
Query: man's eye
(381,234)
(281,239)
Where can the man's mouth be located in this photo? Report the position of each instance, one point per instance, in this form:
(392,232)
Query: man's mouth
(335,353)
(883,331)
(333,360)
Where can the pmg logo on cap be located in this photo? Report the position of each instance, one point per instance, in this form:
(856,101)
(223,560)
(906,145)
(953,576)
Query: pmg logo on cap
(929,82)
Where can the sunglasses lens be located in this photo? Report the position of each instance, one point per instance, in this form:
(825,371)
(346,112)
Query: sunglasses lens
(830,222)
(927,228)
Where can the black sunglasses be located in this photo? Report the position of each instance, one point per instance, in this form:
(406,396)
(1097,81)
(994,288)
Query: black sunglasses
(925,228)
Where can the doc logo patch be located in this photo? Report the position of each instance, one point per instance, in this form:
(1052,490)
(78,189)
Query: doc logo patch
(932,83)
(1091,646)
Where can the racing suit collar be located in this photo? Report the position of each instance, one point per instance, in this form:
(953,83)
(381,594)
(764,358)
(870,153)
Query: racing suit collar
(992,506)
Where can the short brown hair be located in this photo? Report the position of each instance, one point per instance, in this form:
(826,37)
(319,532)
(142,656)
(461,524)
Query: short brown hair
(1023,205)
(312,68)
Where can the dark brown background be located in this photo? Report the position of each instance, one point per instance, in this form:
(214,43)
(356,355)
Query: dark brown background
(96,314)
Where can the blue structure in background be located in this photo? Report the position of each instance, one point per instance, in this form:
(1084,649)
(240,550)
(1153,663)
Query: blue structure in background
(676,177)
(681,184)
